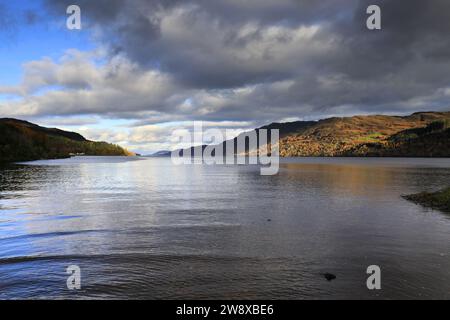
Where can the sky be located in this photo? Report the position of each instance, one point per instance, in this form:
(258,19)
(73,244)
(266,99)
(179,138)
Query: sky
(139,70)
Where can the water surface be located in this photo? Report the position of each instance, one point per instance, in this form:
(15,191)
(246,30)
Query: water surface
(144,228)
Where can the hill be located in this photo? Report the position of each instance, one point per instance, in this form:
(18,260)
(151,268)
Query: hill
(24,141)
(421,134)
(160,154)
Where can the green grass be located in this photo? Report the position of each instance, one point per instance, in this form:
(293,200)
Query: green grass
(437,200)
(371,137)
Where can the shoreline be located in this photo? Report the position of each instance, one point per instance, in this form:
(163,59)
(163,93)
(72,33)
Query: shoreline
(438,200)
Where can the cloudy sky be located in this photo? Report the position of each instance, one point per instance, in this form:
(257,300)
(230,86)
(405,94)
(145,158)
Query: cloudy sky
(140,69)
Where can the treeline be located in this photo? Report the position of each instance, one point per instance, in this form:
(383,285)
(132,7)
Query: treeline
(430,141)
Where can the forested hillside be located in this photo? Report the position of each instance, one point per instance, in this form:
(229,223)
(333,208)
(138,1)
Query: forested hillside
(24,141)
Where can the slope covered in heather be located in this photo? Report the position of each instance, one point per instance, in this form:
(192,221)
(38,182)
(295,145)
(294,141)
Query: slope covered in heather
(420,134)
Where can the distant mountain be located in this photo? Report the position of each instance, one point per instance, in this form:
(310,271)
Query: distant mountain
(162,153)
(422,134)
(24,141)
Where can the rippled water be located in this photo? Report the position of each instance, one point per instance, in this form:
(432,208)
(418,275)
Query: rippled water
(149,229)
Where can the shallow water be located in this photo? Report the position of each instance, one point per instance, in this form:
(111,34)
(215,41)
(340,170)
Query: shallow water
(148,229)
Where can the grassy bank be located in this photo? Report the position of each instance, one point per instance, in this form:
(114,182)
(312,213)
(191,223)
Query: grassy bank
(437,200)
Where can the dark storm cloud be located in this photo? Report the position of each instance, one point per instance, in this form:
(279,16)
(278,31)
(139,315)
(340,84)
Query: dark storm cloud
(208,55)
(296,56)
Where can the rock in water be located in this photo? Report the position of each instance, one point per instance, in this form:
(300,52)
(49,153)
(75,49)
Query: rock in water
(329,276)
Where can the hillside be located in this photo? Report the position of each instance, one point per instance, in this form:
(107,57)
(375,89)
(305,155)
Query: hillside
(25,141)
(371,136)
(422,134)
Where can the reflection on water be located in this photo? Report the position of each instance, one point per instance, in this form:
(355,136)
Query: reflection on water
(148,229)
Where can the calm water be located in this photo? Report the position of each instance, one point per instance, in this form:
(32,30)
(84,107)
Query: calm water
(148,229)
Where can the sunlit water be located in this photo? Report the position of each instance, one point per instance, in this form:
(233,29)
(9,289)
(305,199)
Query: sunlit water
(149,229)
